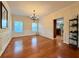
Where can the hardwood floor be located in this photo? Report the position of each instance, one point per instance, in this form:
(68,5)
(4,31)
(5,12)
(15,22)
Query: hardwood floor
(38,47)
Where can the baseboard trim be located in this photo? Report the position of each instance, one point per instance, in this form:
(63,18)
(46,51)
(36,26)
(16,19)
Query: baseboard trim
(22,35)
(46,37)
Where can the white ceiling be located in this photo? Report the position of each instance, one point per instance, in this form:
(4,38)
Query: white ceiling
(25,8)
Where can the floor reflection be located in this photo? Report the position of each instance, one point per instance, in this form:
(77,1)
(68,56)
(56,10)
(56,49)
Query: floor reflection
(34,42)
(59,57)
(59,40)
(18,46)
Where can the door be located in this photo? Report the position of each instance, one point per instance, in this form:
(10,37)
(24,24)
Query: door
(54,23)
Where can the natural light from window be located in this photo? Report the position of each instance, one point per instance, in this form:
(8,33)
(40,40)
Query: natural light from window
(34,27)
(18,26)
(4,25)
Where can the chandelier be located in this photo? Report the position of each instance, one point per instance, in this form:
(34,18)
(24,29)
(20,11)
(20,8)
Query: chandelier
(34,16)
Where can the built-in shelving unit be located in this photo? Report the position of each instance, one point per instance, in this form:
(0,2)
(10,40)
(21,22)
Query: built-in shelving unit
(73,32)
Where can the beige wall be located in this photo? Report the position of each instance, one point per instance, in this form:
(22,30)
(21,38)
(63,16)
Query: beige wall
(27,28)
(46,23)
(5,34)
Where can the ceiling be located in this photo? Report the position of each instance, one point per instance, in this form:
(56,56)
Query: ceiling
(25,8)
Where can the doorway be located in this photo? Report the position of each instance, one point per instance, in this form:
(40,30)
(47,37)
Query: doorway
(58,27)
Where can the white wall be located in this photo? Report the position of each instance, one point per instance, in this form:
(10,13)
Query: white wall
(5,34)
(46,23)
(44,28)
(27,26)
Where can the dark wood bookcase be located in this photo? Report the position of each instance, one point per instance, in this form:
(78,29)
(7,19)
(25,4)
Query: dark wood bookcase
(73,32)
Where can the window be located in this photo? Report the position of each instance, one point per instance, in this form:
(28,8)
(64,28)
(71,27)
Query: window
(4,25)
(18,26)
(34,27)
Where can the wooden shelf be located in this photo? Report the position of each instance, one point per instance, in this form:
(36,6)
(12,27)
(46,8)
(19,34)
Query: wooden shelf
(73,31)
(73,39)
(74,25)
(73,46)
